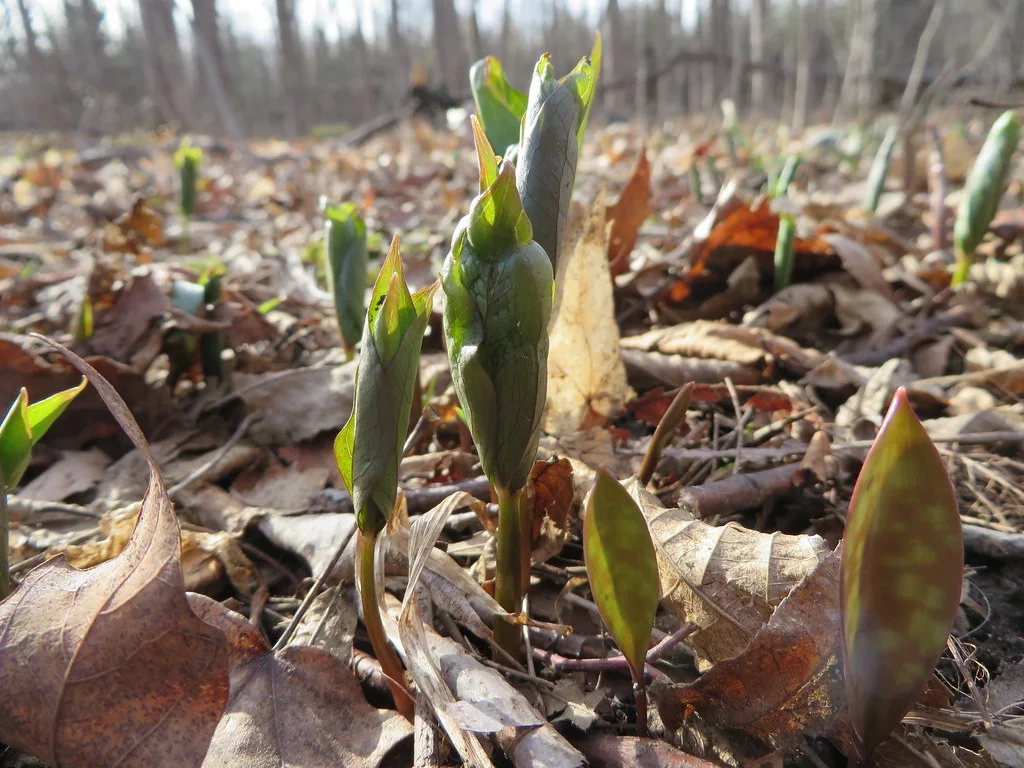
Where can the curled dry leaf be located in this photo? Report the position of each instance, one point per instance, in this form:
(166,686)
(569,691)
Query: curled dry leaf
(726,579)
(628,214)
(110,666)
(298,706)
(788,683)
(586,378)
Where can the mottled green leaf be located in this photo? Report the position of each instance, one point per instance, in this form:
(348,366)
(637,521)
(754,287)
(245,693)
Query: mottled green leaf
(499,106)
(983,190)
(902,566)
(345,253)
(622,568)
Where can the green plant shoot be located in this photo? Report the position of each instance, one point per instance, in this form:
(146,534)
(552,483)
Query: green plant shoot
(187,160)
(880,170)
(623,571)
(345,251)
(370,445)
(550,144)
(498,286)
(499,106)
(902,564)
(22,427)
(786,176)
(785,240)
(984,188)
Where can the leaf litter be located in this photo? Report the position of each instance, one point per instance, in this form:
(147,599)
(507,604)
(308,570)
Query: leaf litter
(745,507)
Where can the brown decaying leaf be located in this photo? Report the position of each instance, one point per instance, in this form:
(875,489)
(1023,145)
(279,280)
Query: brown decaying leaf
(750,229)
(726,579)
(122,320)
(628,214)
(109,666)
(788,683)
(553,493)
(298,706)
(138,229)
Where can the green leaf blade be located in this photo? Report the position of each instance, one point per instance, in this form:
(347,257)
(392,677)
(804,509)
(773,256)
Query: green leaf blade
(15,441)
(901,576)
(622,567)
(42,414)
(499,106)
(346,256)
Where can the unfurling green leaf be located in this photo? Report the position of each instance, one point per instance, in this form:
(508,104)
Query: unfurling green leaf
(499,286)
(22,428)
(902,566)
(369,447)
(550,145)
(983,190)
(781,185)
(187,160)
(499,106)
(622,568)
(345,252)
(879,170)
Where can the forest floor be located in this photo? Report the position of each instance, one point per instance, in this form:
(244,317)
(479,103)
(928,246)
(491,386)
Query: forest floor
(664,285)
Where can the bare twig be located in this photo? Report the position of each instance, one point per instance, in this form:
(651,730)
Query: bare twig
(204,469)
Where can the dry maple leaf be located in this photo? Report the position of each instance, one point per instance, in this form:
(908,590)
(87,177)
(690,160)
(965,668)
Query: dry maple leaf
(109,666)
(298,706)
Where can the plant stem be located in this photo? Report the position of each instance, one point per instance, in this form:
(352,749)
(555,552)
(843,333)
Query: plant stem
(509,580)
(640,690)
(382,649)
(5,577)
(666,428)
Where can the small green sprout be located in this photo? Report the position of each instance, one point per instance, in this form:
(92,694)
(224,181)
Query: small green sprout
(346,255)
(22,427)
(785,240)
(499,106)
(623,571)
(369,447)
(902,568)
(880,170)
(187,160)
(984,189)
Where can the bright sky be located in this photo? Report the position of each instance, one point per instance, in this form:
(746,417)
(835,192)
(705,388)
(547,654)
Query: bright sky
(256,17)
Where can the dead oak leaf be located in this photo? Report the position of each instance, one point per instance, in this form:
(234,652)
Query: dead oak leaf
(109,666)
(298,706)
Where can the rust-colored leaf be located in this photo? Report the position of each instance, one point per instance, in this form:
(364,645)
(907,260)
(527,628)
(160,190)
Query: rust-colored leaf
(903,558)
(553,493)
(138,229)
(628,214)
(297,706)
(109,666)
(743,231)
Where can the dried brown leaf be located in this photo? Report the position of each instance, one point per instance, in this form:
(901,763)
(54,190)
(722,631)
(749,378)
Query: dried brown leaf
(628,214)
(110,666)
(298,706)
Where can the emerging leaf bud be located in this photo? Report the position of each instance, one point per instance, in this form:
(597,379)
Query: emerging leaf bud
(345,255)
(187,160)
(369,446)
(498,285)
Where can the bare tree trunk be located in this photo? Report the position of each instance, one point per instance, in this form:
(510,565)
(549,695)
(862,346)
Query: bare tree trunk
(642,103)
(738,50)
(721,18)
(399,57)
(451,56)
(292,69)
(206,29)
(707,69)
(164,65)
(667,86)
(867,89)
(476,46)
(759,10)
(789,59)
(37,93)
(804,49)
(615,56)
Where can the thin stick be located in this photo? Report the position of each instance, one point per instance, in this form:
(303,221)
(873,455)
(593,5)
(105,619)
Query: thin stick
(738,431)
(318,585)
(205,468)
(663,433)
(5,576)
(22,506)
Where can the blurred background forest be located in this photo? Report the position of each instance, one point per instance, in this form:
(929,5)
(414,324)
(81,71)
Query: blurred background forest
(289,67)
